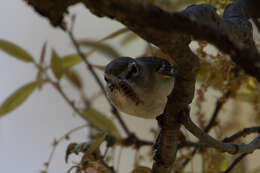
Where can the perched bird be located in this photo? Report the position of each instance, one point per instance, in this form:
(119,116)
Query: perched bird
(139,86)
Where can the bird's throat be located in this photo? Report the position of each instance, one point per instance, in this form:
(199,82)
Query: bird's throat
(128,91)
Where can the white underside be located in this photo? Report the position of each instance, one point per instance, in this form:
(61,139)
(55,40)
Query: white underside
(152,103)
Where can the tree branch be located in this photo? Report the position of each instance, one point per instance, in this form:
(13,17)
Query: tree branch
(90,68)
(222,146)
(243,133)
(235,162)
(212,122)
(171,33)
(220,102)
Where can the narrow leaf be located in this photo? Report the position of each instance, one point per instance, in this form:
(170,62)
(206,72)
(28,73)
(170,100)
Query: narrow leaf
(74,59)
(141,169)
(15,51)
(56,65)
(100,67)
(101,121)
(17,98)
(95,145)
(39,79)
(104,48)
(43,51)
(73,77)
(128,38)
(115,34)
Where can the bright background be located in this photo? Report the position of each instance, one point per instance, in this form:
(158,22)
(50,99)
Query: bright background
(27,133)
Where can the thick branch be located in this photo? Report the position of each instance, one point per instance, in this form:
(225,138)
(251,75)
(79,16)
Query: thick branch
(232,33)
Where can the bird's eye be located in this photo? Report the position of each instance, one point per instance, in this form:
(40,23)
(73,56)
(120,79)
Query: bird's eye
(132,70)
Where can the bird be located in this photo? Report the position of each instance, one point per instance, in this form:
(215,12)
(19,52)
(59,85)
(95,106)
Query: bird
(139,86)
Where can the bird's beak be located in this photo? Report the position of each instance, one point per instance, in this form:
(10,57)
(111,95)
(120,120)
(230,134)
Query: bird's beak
(114,84)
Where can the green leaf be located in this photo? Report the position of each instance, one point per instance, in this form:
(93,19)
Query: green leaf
(39,79)
(74,59)
(101,121)
(115,34)
(100,67)
(141,169)
(128,38)
(95,145)
(224,164)
(73,77)
(15,51)
(56,65)
(17,98)
(104,48)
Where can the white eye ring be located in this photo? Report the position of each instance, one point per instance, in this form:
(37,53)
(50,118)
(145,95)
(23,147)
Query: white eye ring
(132,70)
(132,66)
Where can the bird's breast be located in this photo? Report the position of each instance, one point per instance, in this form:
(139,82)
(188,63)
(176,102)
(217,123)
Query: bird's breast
(136,103)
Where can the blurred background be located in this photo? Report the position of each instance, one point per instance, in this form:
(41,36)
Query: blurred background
(28,132)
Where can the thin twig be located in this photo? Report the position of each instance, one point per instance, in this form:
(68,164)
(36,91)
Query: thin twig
(72,105)
(57,141)
(214,143)
(69,171)
(235,162)
(130,140)
(244,132)
(90,68)
(221,101)
(133,140)
(212,122)
(111,168)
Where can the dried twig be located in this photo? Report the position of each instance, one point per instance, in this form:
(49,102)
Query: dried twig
(224,147)
(90,68)
(58,141)
(132,138)
(220,102)
(66,98)
(212,122)
(242,133)
(235,162)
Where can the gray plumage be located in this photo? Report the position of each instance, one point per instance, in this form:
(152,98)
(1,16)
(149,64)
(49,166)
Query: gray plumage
(139,86)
